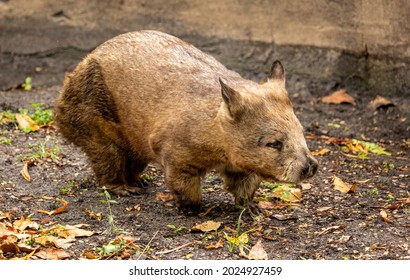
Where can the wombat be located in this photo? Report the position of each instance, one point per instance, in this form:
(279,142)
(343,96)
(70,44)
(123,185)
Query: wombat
(147,96)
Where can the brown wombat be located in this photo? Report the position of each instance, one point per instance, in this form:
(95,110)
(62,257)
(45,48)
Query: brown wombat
(147,96)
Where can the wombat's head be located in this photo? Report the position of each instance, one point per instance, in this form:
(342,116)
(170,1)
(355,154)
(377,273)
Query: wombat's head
(262,133)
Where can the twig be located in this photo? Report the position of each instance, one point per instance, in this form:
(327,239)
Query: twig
(177,248)
(146,246)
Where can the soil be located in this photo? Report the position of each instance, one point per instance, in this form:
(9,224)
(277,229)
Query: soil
(326,224)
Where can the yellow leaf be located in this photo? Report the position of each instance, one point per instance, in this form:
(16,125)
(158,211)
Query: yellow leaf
(24,172)
(58,210)
(25,122)
(257,252)
(74,231)
(341,186)
(288,194)
(206,226)
(339,96)
(23,223)
(321,152)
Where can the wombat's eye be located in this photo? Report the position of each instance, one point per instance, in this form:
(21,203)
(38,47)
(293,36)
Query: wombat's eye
(275,145)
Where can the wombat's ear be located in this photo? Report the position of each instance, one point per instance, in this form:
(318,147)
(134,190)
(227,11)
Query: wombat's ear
(277,72)
(232,100)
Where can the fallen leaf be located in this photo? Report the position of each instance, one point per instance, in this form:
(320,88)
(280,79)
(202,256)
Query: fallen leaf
(24,171)
(8,244)
(26,123)
(377,247)
(26,257)
(339,96)
(52,254)
(23,224)
(91,255)
(164,197)
(329,229)
(5,215)
(206,226)
(379,102)
(257,252)
(288,194)
(323,209)
(216,245)
(343,239)
(383,213)
(341,186)
(94,215)
(275,205)
(56,211)
(306,186)
(321,152)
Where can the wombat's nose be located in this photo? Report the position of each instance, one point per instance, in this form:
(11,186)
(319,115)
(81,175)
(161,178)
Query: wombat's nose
(310,169)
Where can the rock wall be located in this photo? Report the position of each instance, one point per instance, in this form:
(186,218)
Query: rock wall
(366,41)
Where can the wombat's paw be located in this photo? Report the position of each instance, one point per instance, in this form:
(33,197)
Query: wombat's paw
(252,209)
(124,190)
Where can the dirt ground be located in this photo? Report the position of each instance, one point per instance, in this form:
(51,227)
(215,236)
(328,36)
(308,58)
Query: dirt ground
(325,224)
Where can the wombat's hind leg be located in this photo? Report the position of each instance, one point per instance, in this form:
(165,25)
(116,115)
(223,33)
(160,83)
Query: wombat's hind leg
(243,186)
(114,169)
(185,186)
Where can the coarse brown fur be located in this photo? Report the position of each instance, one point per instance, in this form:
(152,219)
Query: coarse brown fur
(147,96)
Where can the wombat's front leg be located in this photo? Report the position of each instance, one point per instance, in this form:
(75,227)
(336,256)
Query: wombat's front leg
(243,186)
(185,185)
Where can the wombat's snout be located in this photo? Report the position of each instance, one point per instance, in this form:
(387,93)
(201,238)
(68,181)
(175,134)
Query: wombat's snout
(310,169)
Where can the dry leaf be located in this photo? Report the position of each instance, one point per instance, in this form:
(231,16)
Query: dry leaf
(288,194)
(23,223)
(94,215)
(165,197)
(270,205)
(58,210)
(341,186)
(343,239)
(52,254)
(91,255)
(329,229)
(8,244)
(25,122)
(26,257)
(206,226)
(257,252)
(339,96)
(306,186)
(321,152)
(73,231)
(24,171)
(323,209)
(216,245)
(383,213)
(380,101)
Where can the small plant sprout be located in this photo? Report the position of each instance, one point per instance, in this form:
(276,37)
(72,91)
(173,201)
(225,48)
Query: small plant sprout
(240,239)
(27,84)
(176,229)
(110,215)
(374,191)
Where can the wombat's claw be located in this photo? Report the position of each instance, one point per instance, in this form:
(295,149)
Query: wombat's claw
(125,190)
(254,209)
(251,208)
